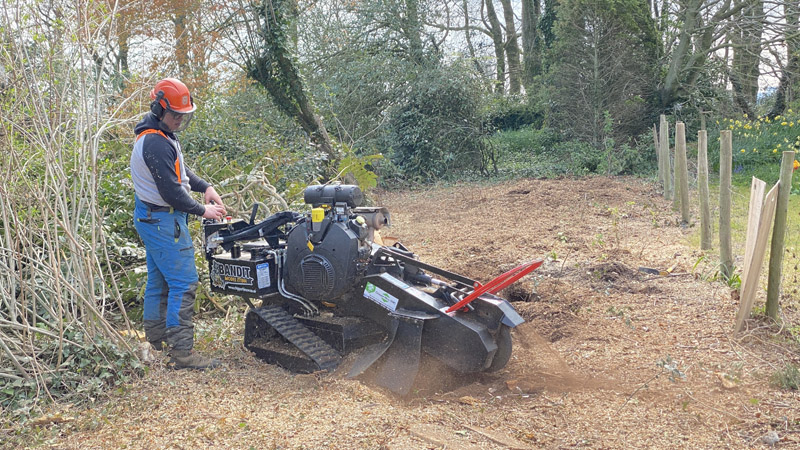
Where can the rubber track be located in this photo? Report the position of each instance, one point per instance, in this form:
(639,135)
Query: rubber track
(325,356)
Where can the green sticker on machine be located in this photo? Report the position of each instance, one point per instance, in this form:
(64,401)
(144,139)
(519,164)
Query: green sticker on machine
(380,296)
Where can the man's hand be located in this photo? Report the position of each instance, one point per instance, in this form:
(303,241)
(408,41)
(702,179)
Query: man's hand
(216,212)
(211,196)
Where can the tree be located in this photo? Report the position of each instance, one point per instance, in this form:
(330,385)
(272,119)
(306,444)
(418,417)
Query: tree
(531,43)
(703,24)
(790,74)
(437,131)
(512,49)
(496,32)
(602,69)
(746,42)
(264,37)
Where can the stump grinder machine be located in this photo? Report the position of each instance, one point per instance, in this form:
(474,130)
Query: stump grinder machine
(329,287)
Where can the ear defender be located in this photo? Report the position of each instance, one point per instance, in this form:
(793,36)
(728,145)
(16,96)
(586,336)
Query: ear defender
(157,108)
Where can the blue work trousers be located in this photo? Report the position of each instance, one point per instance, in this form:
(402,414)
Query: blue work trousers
(171,276)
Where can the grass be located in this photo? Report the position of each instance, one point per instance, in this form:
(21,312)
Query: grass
(787,378)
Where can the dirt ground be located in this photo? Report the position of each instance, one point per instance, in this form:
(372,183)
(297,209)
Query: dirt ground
(610,357)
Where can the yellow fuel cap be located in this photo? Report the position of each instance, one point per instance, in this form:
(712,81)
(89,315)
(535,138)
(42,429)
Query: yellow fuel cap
(317,214)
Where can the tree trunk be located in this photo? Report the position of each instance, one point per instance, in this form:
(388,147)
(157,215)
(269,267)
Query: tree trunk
(746,41)
(531,43)
(412,28)
(512,49)
(694,44)
(181,46)
(274,69)
(548,21)
(789,76)
(497,39)
(470,47)
(681,53)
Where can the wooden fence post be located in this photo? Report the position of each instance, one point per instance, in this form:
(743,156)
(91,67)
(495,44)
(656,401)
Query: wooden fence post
(725,166)
(675,192)
(702,185)
(779,236)
(657,148)
(666,173)
(681,171)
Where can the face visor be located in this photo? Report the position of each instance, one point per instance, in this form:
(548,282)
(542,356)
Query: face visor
(177,121)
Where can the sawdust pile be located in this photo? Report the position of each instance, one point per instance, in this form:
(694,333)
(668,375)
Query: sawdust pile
(610,357)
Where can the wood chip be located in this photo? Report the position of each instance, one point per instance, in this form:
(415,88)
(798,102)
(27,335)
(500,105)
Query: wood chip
(503,440)
(467,400)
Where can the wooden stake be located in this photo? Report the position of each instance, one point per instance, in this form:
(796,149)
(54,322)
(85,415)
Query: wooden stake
(657,149)
(702,185)
(725,165)
(681,171)
(779,236)
(666,174)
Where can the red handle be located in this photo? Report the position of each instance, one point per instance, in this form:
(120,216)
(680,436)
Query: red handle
(498,284)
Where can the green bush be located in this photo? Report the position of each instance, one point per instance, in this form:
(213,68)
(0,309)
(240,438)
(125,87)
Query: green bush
(635,158)
(524,141)
(437,131)
(509,113)
(239,130)
(580,157)
(530,152)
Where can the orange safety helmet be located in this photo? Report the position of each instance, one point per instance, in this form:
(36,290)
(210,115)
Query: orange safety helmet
(171,95)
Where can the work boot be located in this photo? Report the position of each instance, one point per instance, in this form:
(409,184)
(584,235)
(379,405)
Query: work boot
(188,359)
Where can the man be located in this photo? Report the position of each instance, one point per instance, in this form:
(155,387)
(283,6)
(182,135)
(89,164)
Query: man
(163,183)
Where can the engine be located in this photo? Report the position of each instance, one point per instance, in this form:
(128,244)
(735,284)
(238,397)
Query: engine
(328,253)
